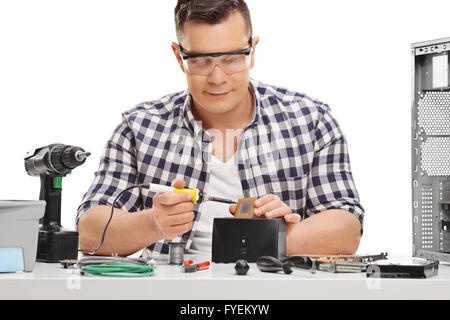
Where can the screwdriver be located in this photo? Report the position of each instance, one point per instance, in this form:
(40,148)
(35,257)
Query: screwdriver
(198,196)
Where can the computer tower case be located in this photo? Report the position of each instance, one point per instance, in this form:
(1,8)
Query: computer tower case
(431,150)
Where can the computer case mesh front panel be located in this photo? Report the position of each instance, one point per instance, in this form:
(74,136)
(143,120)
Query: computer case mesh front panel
(431,150)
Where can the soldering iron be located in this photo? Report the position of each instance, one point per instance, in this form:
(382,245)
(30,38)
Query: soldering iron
(198,196)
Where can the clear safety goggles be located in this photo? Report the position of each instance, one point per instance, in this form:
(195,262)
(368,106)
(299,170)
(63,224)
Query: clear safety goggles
(203,64)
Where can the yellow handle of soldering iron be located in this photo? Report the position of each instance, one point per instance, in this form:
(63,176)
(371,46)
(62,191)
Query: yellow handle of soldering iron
(160,188)
(191,191)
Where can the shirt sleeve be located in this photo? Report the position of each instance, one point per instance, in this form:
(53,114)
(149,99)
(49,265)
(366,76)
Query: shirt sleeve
(331,184)
(116,172)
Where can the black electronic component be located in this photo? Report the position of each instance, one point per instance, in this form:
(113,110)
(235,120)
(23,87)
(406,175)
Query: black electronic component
(51,164)
(271,264)
(241,267)
(235,239)
(419,270)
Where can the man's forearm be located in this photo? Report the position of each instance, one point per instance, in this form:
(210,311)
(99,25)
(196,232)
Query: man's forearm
(127,232)
(329,232)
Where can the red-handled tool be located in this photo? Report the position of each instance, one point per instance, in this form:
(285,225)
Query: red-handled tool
(187,262)
(188,267)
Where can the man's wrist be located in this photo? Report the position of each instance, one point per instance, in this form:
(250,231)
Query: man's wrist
(154,232)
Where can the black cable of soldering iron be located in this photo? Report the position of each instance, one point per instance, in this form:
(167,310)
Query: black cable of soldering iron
(110,217)
(143,186)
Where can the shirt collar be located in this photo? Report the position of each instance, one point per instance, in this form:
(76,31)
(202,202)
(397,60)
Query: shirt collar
(188,117)
(256,103)
(195,126)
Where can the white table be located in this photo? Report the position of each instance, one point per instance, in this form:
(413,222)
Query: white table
(219,282)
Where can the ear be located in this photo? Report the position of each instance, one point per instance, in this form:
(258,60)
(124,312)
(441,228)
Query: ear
(254,44)
(176,52)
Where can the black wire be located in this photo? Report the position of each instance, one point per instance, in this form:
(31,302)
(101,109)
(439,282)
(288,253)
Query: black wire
(109,220)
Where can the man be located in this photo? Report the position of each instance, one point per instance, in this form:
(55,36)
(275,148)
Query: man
(230,136)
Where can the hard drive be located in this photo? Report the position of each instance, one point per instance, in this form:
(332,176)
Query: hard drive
(414,269)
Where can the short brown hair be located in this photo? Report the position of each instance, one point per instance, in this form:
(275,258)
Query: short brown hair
(209,11)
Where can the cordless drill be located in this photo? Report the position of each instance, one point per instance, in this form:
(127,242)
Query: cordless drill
(51,164)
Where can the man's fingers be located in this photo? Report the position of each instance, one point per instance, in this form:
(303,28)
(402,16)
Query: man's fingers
(178,183)
(270,206)
(232,209)
(182,228)
(175,231)
(179,208)
(292,218)
(278,212)
(265,199)
(172,198)
(181,218)
(171,226)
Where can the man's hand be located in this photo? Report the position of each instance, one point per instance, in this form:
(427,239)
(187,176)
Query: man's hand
(270,206)
(173,213)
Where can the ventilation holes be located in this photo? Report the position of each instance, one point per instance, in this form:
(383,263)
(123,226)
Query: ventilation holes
(434,112)
(427,218)
(436,156)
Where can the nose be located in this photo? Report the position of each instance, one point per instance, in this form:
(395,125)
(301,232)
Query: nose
(217,75)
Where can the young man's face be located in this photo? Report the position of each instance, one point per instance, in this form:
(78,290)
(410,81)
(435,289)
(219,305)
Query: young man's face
(217,92)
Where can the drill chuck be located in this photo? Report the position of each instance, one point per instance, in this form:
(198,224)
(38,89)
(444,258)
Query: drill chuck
(72,157)
(58,159)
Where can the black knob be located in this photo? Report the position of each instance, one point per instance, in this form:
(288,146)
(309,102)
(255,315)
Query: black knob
(241,267)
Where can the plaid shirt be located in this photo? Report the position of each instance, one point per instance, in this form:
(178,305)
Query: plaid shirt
(292,147)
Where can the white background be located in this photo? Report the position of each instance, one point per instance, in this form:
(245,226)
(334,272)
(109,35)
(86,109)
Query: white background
(68,69)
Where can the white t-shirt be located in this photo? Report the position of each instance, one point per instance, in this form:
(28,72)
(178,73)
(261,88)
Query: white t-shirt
(224,182)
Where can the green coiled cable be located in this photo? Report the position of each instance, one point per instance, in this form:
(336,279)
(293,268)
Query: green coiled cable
(119,270)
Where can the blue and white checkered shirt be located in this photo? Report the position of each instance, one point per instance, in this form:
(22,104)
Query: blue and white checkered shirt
(292,147)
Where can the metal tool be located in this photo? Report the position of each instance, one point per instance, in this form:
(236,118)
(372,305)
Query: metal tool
(339,266)
(334,264)
(367,258)
(51,163)
(198,196)
(345,263)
